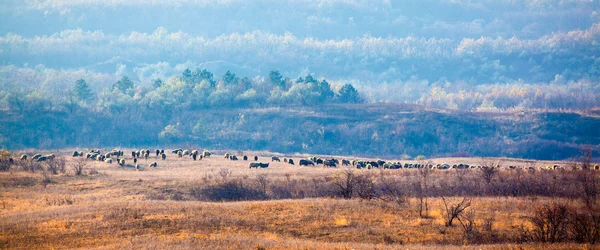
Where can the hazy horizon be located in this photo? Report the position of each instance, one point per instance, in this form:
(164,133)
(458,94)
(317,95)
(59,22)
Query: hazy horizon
(388,49)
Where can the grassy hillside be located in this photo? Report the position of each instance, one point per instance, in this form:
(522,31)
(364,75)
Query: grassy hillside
(381,130)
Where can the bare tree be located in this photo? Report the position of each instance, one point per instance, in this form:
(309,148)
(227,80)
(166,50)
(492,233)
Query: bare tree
(586,160)
(263,182)
(422,187)
(78,165)
(489,169)
(392,192)
(453,211)
(344,181)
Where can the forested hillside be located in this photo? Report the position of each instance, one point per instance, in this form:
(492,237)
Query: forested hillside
(280,114)
(381,130)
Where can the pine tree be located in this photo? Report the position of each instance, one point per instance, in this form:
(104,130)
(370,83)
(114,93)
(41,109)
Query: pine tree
(124,84)
(82,90)
(348,94)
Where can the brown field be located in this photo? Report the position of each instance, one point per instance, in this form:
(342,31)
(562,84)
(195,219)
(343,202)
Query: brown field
(155,208)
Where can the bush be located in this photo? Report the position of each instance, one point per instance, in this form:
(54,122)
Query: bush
(227,191)
(550,223)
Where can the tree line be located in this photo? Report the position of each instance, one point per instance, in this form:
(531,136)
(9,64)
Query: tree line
(198,89)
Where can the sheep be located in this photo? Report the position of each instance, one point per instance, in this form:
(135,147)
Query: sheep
(36,156)
(206,154)
(345,162)
(179,154)
(133,154)
(153,165)
(186,152)
(121,162)
(42,158)
(306,162)
(329,163)
(108,160)
(245,158)
(360,164)
(275,158)
(226,156)
(134,160)
(319,161)
(194,156)
(233,158)
(255,158)
(291,161)
(23,157)
(138,167)
(157,153)
(285,160)
(163,156)
(259,164)
(75,154)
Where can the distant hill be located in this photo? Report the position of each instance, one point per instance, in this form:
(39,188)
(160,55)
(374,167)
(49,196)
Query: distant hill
(376,130)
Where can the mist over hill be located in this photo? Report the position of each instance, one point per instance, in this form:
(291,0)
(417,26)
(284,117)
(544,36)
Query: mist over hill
(163,66)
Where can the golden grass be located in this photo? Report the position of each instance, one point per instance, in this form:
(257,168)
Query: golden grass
(111,210)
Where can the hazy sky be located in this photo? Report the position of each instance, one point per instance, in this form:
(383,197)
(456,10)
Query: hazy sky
(367,41)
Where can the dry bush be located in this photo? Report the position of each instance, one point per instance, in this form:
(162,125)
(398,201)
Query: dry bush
(78,165)
(5,160)
(550,223)
(489,168)
(30,165)
(584,226)
(364,186)
(454,211)
(233,190)
(225,174)
(262,180)
(344,182)
(392,190)
(56,165)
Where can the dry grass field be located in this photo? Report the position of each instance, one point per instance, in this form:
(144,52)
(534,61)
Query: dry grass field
(110,207)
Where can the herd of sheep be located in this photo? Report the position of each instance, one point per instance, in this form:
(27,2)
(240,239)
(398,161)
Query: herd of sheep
(118,157)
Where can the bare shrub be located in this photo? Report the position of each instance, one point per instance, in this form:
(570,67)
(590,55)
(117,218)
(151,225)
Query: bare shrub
(364,186)
(453,211)
(4,160)
(422,188)
(489,169)
(233,190)
(392,190)
(46,179)
(589,185)
(550,223)
(225,174)
(262,180)
(78,165)
(469,229)
(584,227)
(56,165)
(31,165)
(344,182)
